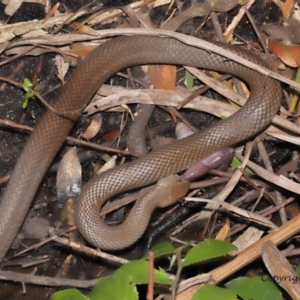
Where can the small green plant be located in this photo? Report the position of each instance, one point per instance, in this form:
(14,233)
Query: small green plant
(189,80)
(236,164)
(123,283)
(27,85)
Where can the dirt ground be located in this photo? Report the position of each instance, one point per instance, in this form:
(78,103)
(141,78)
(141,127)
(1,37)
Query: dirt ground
(55,260)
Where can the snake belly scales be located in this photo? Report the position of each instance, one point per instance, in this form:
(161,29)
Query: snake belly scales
(51,131)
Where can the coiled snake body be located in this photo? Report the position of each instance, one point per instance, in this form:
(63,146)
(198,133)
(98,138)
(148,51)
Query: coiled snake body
(100,65)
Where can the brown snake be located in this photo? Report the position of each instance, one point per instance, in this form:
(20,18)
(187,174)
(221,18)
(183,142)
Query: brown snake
(51,131)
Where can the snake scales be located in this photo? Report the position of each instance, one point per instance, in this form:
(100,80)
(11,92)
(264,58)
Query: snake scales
(51,131)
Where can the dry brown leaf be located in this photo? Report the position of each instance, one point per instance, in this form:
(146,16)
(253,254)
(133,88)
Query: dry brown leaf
(68,179)
(111,163)
(287,8)
(12,6)
(223,231)
(280,269)
(80,27)
(182,130)
(163,76)
(67,213)
(111,135)
(82,49)
(94,127)
(62,67)
(290,55)
(247,238)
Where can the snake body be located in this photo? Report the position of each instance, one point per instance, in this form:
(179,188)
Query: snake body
(51,131)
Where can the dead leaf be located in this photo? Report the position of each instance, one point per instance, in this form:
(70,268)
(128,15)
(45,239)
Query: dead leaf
(68,179)
(62,67)
(182,131)
(280,269)
(94,127)
(80,27)
(247,238)
(111,163)
(290,55)
(67,213)
(111,135)
(83,49)
(163,76)
(12,6)
(223,231)
(122,108)
(287,8)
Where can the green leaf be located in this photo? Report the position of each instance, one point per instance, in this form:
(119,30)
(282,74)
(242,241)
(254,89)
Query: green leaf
(236,164)
(212,292)
(118,286)
(298,270)
(174,257)
(207,249)
(25,103)
(27,84)
(162,249)
(138,269)
(68,294)
(189,80)
(298,79)
(255,288)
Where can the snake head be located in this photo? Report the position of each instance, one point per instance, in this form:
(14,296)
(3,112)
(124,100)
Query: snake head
(171,188)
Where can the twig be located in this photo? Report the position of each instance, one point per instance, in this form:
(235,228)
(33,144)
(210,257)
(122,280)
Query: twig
(263,154)
(278,236)
(71,139)
(271,177)
(46,281)
(64,39)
